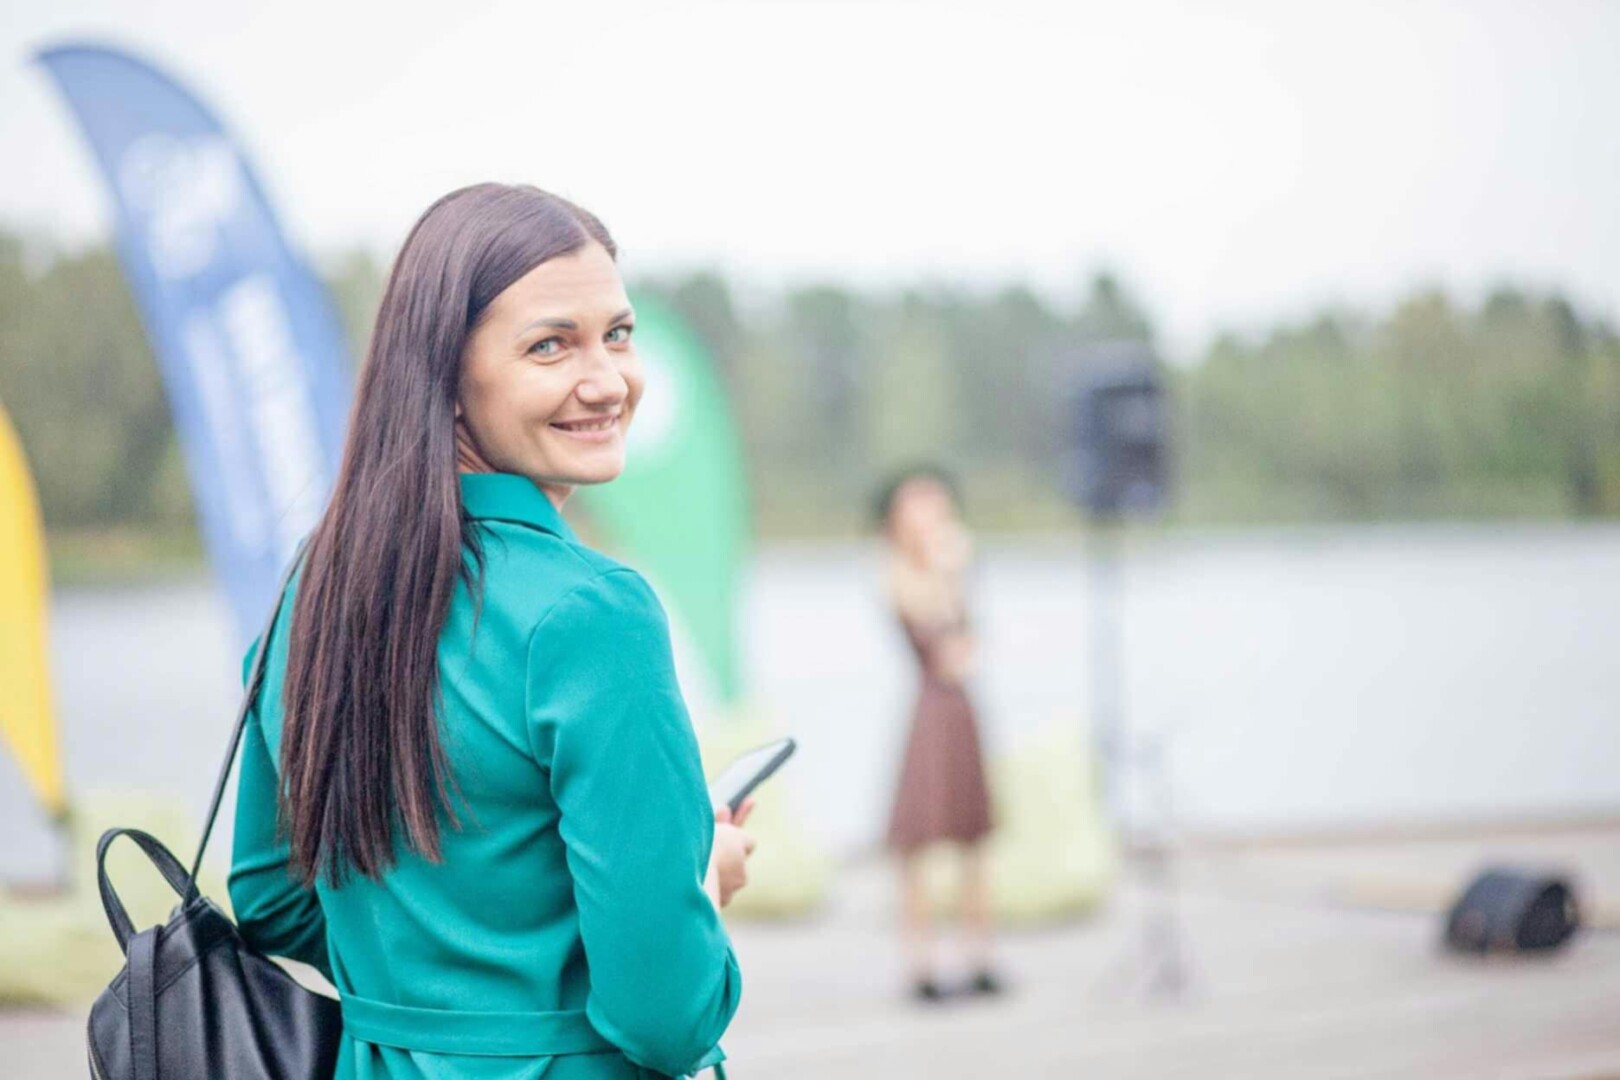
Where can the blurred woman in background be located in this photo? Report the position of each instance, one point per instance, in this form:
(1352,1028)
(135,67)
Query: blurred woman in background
(942,794)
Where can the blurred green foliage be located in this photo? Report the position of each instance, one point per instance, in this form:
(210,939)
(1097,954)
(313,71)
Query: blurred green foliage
(1433,409)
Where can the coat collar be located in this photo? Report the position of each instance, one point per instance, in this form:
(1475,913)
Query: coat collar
(509,497)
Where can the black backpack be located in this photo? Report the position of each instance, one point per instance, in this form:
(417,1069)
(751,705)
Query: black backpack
(193,1000)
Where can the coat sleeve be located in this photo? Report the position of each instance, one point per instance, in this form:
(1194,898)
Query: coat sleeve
(607,721)
(275,912)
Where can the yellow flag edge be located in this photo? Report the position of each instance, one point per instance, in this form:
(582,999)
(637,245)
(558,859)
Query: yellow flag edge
(27,716)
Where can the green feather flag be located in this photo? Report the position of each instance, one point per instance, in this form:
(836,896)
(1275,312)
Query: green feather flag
(680,510)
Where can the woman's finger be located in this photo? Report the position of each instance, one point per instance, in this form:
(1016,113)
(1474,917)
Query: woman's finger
(743,811)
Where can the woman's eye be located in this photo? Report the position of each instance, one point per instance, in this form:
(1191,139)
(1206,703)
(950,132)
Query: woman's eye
(550,346)
(619,335)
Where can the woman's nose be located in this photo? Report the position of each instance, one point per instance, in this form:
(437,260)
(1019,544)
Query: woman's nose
(603,383)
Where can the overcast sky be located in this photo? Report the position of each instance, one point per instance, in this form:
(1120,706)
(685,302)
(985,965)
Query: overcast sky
(1236,163)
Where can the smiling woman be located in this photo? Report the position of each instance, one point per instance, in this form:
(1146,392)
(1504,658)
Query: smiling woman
(470,791)
(550,378)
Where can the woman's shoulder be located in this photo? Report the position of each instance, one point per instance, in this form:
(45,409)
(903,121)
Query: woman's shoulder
(560,582)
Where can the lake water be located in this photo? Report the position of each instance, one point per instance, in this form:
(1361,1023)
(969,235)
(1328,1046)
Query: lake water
(1300,680)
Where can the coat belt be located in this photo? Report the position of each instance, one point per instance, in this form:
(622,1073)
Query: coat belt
(481,1034)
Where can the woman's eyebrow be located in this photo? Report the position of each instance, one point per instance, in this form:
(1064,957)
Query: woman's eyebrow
(552,324)
(568,324)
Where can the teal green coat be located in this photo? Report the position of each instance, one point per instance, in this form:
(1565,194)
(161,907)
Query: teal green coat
(566,933)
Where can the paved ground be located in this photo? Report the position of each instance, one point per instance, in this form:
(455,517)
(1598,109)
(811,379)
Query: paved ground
(1288,979)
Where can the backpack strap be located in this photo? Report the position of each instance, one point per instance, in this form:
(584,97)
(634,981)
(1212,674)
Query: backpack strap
(142,990)
(255,679)
(167,865)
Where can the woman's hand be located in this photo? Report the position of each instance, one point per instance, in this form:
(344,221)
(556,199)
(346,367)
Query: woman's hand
(728,861)
(954,657)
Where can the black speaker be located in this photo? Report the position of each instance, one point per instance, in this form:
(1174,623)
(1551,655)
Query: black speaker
(1119,433)
(1513,910)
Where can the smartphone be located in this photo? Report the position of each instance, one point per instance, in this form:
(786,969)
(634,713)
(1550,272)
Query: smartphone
(739,779)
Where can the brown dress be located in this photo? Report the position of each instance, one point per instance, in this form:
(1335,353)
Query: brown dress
(942,794)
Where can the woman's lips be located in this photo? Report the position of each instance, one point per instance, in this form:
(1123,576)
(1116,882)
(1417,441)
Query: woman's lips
(595,429)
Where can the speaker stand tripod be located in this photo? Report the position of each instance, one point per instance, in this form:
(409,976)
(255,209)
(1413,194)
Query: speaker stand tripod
(1156,964)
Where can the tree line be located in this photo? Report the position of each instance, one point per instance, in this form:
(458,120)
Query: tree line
(1431,409)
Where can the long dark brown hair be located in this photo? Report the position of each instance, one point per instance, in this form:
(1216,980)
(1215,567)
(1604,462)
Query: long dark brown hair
(361,755)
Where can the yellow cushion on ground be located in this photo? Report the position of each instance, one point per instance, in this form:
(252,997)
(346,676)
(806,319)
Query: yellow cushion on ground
(57,949)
